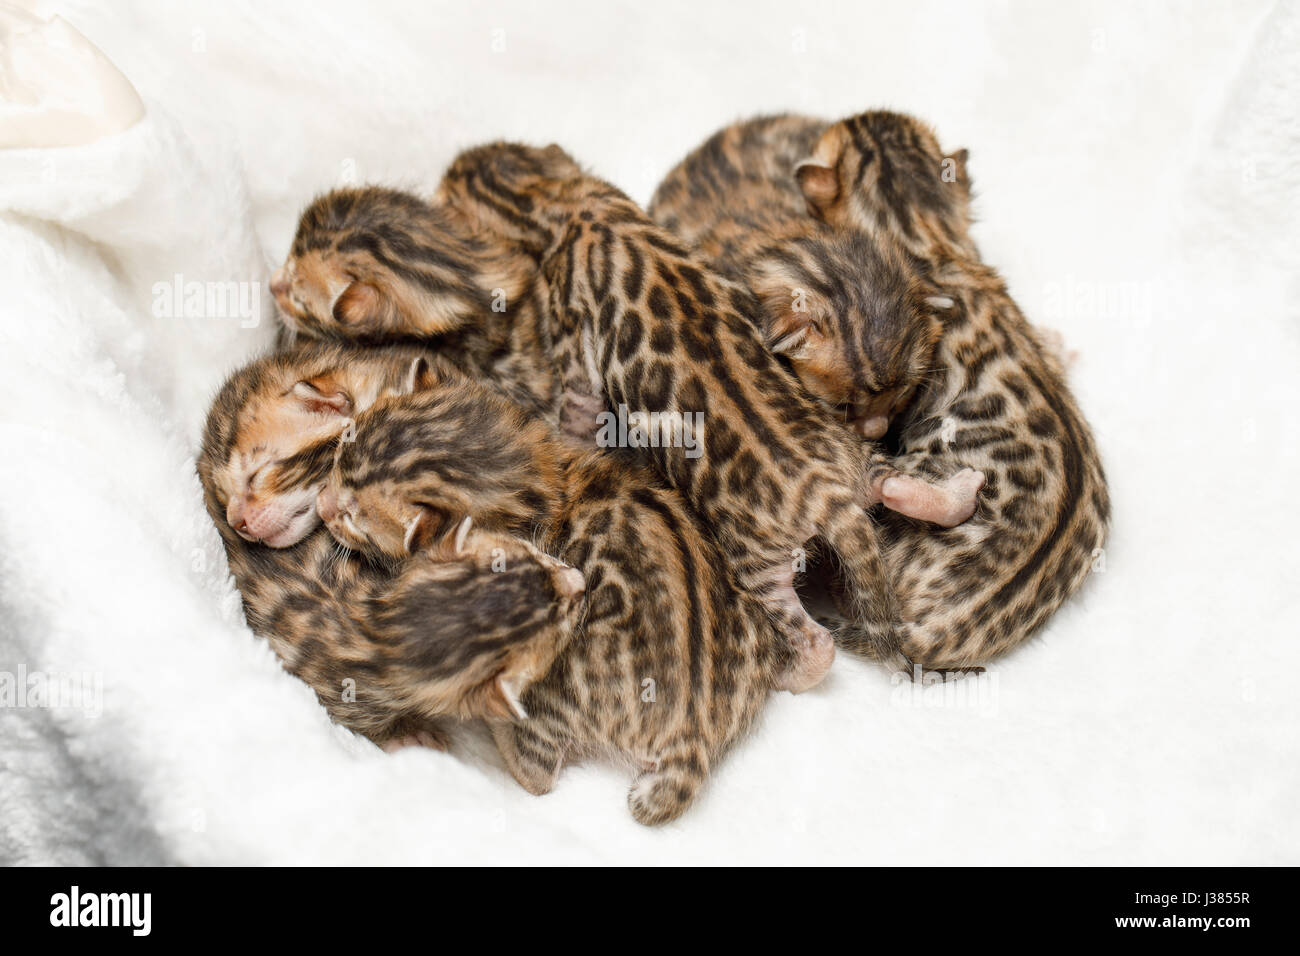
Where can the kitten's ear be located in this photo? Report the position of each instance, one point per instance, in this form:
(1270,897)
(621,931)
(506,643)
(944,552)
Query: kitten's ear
(788,320)
(959,159)
(788,332)
(422,530)
(818,175)
(423,375)
(360,303)
(819,184)
(508,689)
(462,534)
(323,395)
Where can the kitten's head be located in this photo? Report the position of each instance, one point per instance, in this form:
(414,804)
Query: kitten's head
(269,441)
(417,464)
(886,173)
(857,325)
(370,263)
(508,189)
(491,612)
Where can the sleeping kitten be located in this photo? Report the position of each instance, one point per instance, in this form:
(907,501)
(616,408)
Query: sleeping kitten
(451,634)
(641,323)
(672,662)
(857,324)
(279,421)
(373,265)
(997,401)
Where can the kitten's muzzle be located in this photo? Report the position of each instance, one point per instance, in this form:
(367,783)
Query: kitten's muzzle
(267,524)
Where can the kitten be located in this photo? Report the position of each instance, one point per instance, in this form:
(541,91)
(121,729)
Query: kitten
(997,401)
(387,654)
(644,324)
(857,324)
(672,663)
(274,428)
(853,316)
(372,265)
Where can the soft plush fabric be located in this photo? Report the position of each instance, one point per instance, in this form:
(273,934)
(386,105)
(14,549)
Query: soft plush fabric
(1137,184)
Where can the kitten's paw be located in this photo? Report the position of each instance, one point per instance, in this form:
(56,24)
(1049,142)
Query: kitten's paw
(662,794)
(420,738)
(946,503)
(533,762)
(964,487)
(814,652)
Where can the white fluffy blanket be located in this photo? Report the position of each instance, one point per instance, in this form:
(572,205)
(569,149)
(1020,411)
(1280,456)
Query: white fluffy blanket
(1137,183)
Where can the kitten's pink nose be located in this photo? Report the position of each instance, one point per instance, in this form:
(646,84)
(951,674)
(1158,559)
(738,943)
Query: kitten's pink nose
(235,518)
(280,283)
(570,582)
(261,522)
(327,504)
(873,427)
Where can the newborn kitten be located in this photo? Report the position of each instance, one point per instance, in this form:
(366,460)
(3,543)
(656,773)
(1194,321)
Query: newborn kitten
(387,654)
(997,401)
(672,663)
(284,415)
(639,321)
(372,265)
(858,325)
(854,318)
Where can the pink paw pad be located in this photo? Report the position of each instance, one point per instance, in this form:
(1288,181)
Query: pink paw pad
(946,503)
(421,738)
(814,653)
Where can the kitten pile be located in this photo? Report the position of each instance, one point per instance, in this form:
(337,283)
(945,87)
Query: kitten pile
(844,433)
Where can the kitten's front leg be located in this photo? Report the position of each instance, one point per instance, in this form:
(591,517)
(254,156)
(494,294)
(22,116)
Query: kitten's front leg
(811,644)
(583,389)
(578,417)
(533,758)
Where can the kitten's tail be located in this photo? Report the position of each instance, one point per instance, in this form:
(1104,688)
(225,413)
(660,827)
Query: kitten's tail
(663,794)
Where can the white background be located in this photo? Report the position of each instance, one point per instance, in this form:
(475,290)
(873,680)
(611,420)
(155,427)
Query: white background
(1137,183)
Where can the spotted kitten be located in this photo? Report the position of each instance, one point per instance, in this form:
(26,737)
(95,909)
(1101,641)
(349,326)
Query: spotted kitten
(853,316)
(855,321)
(640,322)
(672,662)
(997,401)
(387,654)
(372,265)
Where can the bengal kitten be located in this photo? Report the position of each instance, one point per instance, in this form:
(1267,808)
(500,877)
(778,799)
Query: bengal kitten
(372,265)
(857,324)
(450,634)
(997,401)
(672,663)
(642,323)
(853,316)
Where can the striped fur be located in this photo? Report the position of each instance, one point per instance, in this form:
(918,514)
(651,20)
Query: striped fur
(374,265)
(996,400)
(855,320)
(639,321)
(672,662)
(387,654)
